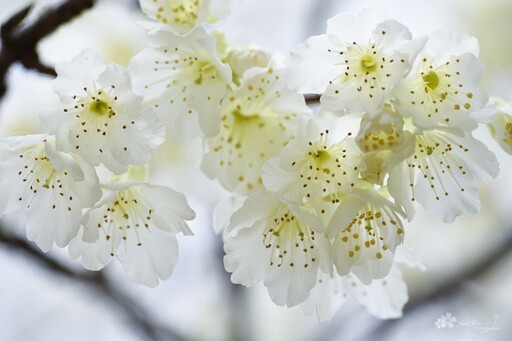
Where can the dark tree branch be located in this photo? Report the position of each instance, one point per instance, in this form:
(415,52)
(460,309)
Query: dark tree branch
(19,44)
(312,98)
(138,318)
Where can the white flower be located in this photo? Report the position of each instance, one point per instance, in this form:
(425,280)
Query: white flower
(137,223)
(50,188)
(356,64)
(384,142)
(258,119)
(366,229)
(442,174)
(184,80)
(276,243)
(100,118)
(383,298)
(316,162)
(501,125)
(442,88)
(183,16)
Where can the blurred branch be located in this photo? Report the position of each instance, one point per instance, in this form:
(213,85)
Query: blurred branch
(240,317)
(19,44)
(454,286)
(139,320)
(450,289)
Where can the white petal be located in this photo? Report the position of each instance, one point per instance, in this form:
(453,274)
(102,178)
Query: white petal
(311,66)
(384,298)
(349,27)
(254,209)
(93,256)
(154,258)
(223,211)
(326,298)
(245,257)
(292,286)
(445,44)
(172,206)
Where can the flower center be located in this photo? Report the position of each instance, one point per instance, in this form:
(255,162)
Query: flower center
(323,160)
(373,141)
(99,107)
(127,212)
(368,63)
(241,124)
(204,68)
(181,12)
(431,79)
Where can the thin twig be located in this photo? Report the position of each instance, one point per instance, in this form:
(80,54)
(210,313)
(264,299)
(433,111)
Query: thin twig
(139,319)
(19,45)
(312,98)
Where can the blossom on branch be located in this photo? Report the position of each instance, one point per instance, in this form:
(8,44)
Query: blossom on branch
(48,187)
(184,80)
(137,223)
(99,117)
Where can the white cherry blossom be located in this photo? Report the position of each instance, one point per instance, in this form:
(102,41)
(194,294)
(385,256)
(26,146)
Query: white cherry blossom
(356,64)
(365,229)
(183,16)
(49,187)
(501,125)
(316,162)
(137,223)
(442,174)
(100,118)
(184,80)
(442,88)
(384,142)
(276,243)
(258,119)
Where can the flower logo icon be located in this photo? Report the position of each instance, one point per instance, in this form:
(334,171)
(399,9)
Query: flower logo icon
(446,321)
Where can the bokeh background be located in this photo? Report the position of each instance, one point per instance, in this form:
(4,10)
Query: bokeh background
(468,263)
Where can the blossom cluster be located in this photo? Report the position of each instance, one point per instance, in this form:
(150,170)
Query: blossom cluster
(100,127)
(320,200)
(394,128)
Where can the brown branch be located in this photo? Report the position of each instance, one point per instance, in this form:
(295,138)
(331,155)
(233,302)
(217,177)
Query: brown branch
(19,44)
(312,98)
(138,318)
